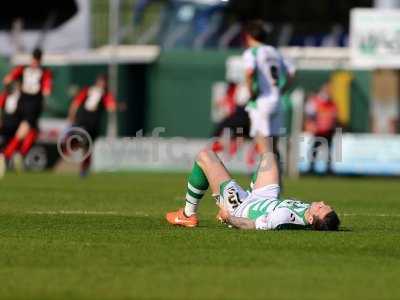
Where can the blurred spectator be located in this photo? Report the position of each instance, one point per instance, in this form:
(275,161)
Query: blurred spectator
(321,121)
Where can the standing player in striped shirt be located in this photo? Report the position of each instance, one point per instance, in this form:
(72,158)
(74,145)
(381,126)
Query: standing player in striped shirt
(36,83)
(266,73)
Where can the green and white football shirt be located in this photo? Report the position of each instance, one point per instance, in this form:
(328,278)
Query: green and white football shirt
(269,69)
(263,206)
(275,214)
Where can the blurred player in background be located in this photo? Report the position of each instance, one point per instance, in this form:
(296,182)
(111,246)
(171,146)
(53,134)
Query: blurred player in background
(321,121)
(266,69)
(36,83)
(237,121)
(86,111)
(261,208)
(10,118)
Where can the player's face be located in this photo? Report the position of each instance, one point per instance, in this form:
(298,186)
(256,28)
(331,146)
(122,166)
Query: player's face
(320,209)
(247,40)
(35,62)
(101,83)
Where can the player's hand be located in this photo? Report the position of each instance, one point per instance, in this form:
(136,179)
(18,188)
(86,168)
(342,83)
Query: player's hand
(70,121)
(223,215)
(46,93)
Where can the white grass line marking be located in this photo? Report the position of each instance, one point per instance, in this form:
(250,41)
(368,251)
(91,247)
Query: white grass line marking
(87,212)
(370,215)
(143,214)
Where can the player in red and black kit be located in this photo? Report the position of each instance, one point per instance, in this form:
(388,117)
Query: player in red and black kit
(86,111)
(36,83)
(10,113)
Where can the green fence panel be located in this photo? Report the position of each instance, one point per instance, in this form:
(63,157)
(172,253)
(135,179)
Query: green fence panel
(360,102)
(131,91)
(180,92)
(4,68)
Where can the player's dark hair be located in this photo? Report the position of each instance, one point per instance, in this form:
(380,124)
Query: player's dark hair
(330,222)
(37,54)
(257,30)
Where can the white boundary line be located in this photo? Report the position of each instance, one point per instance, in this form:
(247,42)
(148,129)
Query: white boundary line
(116,213)
(86,212)
(369,215)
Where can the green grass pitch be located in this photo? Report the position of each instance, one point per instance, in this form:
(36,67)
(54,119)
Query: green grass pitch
(105,238)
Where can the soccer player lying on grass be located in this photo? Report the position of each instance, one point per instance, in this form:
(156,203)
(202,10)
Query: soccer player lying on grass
(260,208)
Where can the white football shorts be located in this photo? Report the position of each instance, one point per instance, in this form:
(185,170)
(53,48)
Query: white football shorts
(266,117)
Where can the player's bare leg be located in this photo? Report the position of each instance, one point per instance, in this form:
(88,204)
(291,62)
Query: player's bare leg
(3,165)
(268,171)
(23,130)
(269,146)
(213,169)
(208,171)
(263,144)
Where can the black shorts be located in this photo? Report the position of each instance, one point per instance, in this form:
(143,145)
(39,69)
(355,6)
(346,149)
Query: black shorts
(6,134)
(31,109)
(238,120)
(93,131)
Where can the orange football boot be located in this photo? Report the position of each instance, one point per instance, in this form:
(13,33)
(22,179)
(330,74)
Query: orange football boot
(179,218)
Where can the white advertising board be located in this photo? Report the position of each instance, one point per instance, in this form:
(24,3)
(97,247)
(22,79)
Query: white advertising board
(375,38)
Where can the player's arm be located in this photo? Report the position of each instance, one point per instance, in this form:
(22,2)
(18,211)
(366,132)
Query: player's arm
(13,75)
(241,223)
(237,222)
(250,83)
(47,83)
(3,97)
(110,103)
(250,66)
(277,220)
(290,73)
(76,103)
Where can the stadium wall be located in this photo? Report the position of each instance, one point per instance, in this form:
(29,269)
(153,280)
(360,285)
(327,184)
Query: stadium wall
(180,91)
(68,79)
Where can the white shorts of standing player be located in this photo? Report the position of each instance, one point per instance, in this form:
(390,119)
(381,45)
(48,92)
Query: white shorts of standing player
(266,116)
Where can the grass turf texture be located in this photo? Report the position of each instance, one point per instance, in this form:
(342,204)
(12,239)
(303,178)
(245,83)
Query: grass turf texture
(106,238)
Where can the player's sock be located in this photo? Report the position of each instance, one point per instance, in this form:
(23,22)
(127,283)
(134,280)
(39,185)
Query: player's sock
(197,186)
(11,148)
(85,167)
(28,141)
